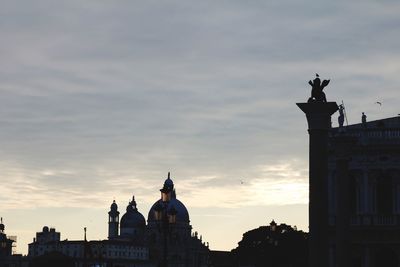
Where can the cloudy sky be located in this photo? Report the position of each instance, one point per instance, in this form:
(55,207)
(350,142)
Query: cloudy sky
(100,99)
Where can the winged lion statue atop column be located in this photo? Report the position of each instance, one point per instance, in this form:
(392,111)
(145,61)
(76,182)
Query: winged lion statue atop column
(317,95)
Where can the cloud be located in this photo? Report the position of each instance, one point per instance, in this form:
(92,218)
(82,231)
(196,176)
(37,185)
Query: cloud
(206,91)
(101,99)
(281,184)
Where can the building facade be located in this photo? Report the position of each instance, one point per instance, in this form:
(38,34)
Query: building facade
(364,193)
(7,257)
(83,253)
(5,242)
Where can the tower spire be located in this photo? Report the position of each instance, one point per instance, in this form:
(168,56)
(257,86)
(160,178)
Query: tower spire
(1,225)
(133,202)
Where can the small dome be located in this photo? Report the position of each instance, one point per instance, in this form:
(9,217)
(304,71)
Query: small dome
(168,184)
(114,206)
(132,218)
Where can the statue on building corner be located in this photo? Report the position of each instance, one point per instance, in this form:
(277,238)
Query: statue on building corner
(317,95)
(341,116)
(364,120)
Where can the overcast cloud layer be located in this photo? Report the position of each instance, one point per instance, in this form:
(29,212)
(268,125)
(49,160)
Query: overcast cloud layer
(100,99)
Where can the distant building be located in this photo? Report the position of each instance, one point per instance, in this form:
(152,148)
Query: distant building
(131,242)
(184,247)
(371,192)
(5,242)
(7,258)
(89,253)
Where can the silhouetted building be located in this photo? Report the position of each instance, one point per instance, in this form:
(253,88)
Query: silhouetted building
(364,194)
(113,221)
(7,258)
(184,248)
(272,246)
(5,242)
(87,253)
(166,239)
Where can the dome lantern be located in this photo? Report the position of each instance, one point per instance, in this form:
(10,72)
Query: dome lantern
(2,227)
(167,189)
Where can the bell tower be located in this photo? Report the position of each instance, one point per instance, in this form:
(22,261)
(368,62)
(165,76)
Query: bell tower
(113,221)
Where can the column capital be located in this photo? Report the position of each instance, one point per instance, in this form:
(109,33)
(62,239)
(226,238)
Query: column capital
(318,114)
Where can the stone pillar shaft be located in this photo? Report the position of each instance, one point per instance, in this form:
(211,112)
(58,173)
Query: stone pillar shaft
(318,198)
(343,146)
(319,122)
(343,214)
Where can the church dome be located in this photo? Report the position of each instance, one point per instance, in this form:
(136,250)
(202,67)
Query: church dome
(182,214)
(132,218)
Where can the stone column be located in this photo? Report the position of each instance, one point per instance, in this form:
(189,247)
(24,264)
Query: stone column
(366,192)
(367,259)
(319,122)
(343,146)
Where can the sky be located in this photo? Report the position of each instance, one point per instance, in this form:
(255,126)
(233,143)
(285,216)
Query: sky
(99,100)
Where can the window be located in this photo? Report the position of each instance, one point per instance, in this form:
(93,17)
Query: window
(384,196)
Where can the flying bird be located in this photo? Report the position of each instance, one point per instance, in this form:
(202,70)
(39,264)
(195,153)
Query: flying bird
(241,182)
(316,74)
(377,102)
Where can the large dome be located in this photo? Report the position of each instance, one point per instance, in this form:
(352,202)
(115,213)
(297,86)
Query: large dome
(182,214)
(132,218)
